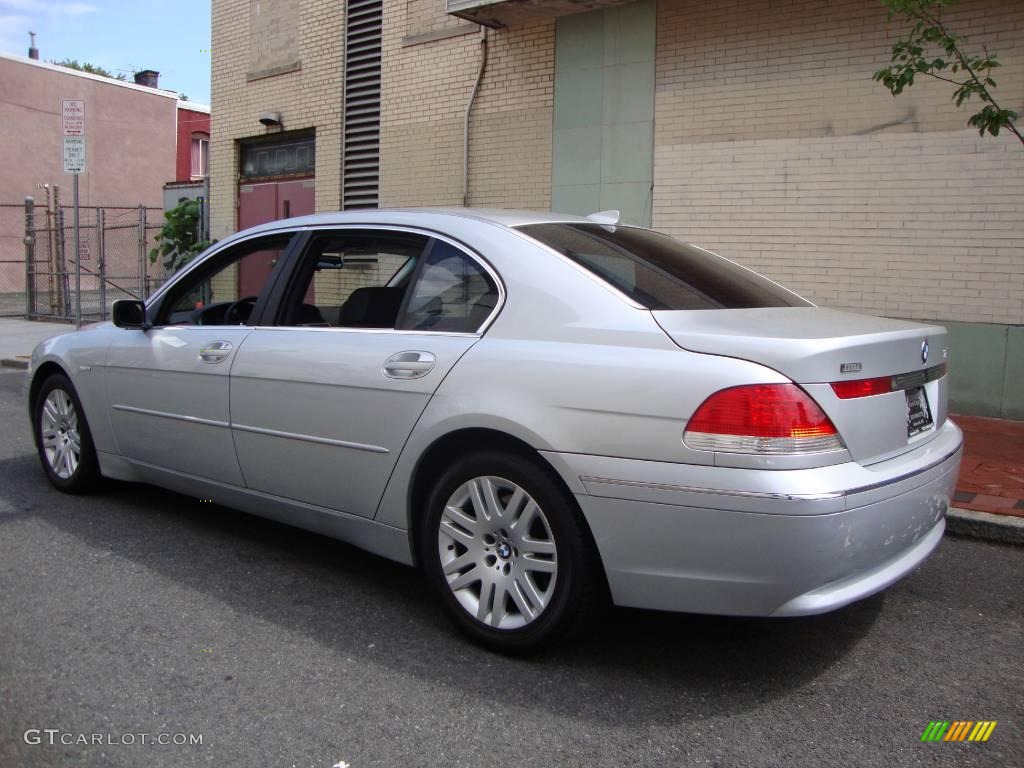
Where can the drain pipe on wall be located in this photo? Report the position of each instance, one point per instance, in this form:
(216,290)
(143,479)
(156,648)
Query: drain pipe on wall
(469,109)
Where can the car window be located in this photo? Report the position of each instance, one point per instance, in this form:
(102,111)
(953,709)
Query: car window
(453,293)
(225,291)
(660,272)
(352,279)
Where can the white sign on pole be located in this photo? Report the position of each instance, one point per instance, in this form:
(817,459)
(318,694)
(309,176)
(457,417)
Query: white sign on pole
(72,117)
(74,154)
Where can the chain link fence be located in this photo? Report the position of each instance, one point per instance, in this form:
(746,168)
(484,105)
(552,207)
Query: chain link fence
(39,267)
(12,260)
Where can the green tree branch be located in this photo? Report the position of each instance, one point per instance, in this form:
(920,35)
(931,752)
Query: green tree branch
(915,54)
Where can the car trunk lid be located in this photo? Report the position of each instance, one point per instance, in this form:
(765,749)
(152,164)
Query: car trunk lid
(815,347)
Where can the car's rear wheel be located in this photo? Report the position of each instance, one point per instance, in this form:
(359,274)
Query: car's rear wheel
(63,438)
(508,554)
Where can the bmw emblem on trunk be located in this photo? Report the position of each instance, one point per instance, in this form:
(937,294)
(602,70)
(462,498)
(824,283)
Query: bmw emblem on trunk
(924,351)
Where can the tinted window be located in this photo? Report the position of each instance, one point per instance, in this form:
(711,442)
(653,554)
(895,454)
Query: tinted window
(453,293)
(660,272)
(353,279)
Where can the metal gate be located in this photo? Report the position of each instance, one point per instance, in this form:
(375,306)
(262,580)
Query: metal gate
(114,244)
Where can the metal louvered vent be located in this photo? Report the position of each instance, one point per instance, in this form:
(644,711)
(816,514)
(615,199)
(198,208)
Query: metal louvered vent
(361,150)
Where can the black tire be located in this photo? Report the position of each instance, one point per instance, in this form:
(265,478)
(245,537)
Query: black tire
(86,473)
(576,593)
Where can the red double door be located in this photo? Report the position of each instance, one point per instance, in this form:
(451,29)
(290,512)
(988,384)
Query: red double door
(259,203)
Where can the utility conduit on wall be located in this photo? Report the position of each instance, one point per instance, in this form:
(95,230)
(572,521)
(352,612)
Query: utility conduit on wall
(469,109)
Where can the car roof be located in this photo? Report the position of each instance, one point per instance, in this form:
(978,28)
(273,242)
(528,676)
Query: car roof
(427,217)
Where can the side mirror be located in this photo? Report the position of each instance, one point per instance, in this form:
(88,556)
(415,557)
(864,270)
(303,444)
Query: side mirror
(129,313)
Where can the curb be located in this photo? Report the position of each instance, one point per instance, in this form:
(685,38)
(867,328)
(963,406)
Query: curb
(10,362)
(1006,529)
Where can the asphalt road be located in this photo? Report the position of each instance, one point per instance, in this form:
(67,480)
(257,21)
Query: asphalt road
(141,611)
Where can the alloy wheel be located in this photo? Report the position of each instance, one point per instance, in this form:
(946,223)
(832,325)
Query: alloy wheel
(62,442)
(497,552)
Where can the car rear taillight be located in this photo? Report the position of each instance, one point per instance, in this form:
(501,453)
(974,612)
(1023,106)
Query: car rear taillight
(847,390)
(765,419)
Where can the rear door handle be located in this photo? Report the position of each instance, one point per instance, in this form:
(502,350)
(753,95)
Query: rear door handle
(409,365)
(215,351)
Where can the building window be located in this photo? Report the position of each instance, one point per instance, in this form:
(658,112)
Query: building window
(200,156)
(293,156)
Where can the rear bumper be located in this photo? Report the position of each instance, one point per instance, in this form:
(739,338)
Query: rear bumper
(763,543)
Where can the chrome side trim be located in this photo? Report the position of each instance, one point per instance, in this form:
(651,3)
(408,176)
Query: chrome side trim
(773,496)
(715,491)
(321,329)
(908,475)
(166,415)
(311,439)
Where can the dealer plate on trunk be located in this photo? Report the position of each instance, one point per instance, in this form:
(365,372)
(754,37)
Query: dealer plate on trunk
(919,415)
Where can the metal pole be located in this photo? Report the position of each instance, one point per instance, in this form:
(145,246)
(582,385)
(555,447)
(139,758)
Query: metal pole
(206,209)
(63,299)
(101,246)
(142,251)
(30,240)
(78,257)
(58,300)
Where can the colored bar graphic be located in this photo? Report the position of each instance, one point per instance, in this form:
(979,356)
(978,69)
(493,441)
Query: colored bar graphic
(935,730)
(959,730)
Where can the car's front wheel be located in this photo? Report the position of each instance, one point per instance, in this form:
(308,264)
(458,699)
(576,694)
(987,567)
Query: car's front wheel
(62,436)
(507,552)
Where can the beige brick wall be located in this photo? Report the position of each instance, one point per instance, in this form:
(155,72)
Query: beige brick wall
(422,16)
(273,33)
(425,89)
(307,98)
(774,147)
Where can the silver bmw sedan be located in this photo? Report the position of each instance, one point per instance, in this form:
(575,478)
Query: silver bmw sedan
(541,412)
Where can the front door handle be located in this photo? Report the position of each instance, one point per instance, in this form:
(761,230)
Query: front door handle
(215,351)
(409,365)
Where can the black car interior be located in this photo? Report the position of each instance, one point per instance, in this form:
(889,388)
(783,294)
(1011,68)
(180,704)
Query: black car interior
(370,270)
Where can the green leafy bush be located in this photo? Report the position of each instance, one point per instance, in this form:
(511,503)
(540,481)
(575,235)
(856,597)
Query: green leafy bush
(178,241)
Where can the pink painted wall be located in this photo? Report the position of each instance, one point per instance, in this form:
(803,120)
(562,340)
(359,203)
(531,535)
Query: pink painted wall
(130,137)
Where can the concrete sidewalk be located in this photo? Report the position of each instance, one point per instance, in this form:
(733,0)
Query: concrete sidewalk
(19,337)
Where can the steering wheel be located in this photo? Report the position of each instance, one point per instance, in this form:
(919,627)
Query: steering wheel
(234,316)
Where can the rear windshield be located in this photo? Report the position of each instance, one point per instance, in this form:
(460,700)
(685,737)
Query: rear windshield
(660,272)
